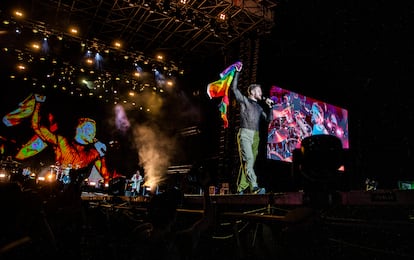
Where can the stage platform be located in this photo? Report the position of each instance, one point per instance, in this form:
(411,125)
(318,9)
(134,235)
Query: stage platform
(356,197)
(354,206)
(393,206)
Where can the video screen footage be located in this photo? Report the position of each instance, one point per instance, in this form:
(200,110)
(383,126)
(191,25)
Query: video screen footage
(297,116)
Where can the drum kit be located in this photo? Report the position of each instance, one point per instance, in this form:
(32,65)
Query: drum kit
(285,135)
(278,135)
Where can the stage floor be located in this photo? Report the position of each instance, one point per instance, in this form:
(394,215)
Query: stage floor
(356,197)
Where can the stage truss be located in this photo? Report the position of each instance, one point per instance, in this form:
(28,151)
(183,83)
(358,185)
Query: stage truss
(179,28)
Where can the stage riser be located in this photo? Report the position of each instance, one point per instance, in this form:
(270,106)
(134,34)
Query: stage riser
(369,198)
(351,198)
(378,197)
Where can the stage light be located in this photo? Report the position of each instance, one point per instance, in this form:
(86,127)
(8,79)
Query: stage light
(73,30)
(88,54)
(68,73)
(45,45)
(98,61)
(35,46)
(117,44)
(18,14)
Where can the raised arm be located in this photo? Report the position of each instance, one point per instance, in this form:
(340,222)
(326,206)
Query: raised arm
(237,93)
(42,131)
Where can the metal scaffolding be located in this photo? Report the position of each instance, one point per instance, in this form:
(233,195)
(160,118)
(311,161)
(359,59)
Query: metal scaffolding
(179,28)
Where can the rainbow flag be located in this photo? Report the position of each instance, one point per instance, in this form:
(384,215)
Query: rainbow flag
(220,88)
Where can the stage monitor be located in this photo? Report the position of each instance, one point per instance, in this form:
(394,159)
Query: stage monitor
(296,117)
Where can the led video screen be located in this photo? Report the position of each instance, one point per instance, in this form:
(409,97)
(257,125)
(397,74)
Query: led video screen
(296,117)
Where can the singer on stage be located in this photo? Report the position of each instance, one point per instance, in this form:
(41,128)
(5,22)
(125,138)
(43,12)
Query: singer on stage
(84,151)
(248,138)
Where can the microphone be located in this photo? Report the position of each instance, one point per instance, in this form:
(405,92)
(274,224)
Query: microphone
(268,101)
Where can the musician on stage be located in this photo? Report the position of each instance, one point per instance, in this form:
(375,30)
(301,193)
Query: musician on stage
(248,137)
(83,151)
(137,180)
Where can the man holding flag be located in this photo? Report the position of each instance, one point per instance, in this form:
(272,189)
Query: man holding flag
(251,114)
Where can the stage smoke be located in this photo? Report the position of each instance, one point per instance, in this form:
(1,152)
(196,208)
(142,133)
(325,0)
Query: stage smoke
(121,120)
(155,153)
